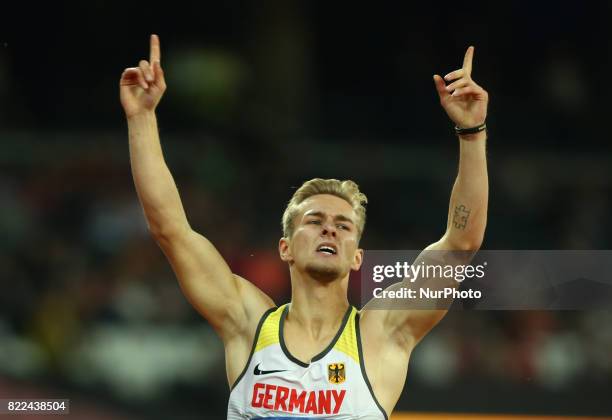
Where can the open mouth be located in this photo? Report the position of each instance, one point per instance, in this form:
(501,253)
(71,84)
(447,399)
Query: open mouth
(327,250)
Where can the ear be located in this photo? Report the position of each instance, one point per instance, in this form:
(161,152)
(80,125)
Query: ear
(357,259)
(283,250)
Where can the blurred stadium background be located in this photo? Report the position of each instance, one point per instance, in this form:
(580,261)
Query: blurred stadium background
(264,95)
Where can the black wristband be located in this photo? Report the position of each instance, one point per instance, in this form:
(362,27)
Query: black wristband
(471,130)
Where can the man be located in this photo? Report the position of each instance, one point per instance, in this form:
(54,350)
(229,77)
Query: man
(315,356)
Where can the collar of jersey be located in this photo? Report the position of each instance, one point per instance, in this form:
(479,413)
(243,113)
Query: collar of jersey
(319,356)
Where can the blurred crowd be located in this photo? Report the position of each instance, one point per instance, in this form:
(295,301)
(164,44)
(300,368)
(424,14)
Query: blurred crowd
(90,302)
(261,97)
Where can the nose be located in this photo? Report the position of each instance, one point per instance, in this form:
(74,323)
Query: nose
(329,229)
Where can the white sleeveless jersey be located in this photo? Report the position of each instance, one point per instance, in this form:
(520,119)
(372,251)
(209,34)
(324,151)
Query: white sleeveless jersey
(276,385)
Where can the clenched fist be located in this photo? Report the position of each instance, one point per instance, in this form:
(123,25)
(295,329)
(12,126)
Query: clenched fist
(142,87)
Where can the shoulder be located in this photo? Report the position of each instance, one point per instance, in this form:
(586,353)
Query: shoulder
(246,311)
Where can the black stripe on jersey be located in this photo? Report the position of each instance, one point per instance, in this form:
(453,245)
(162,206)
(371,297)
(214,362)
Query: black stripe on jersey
(257,331)
(319,356)
(363,370)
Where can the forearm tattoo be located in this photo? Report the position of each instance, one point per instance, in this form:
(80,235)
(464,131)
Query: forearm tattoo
(460,216)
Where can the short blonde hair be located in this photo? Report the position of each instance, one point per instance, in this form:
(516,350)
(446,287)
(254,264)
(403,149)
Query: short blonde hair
(346,190)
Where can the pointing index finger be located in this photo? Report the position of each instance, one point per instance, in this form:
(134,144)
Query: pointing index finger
(155,52)
(467,60)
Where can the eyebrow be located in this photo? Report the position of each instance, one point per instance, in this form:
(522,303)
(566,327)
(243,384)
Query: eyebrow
(338,217)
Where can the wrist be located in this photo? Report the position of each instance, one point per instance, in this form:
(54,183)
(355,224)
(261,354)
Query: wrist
(481,135)
(461,130)
(142,116)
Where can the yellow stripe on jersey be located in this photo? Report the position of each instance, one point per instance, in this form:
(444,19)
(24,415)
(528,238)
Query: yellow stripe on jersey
(268,334)
(347,343)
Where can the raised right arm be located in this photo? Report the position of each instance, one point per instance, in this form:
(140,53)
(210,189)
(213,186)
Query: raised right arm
(231,304)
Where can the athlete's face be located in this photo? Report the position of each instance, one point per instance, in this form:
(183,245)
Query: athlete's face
(324,240)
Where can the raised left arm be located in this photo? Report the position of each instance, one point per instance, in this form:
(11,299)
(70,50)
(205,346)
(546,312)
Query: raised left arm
(466,105)
(389,336)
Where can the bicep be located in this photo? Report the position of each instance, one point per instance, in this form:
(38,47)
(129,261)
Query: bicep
(227,301)
(409,325)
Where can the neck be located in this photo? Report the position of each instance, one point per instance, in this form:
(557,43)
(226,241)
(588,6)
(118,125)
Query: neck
(318,307)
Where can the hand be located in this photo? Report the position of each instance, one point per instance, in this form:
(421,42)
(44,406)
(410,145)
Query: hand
(142,87)
(463,100)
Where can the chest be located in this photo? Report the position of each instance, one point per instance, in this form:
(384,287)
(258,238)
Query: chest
(304,347)
(331,385)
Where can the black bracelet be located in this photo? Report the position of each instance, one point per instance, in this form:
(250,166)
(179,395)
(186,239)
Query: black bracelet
(471,130)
